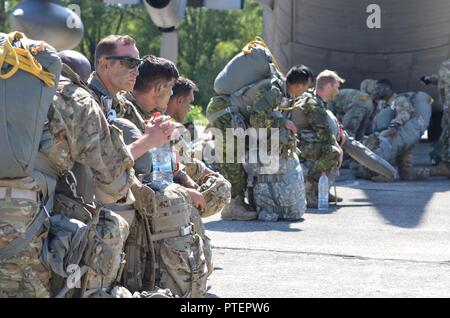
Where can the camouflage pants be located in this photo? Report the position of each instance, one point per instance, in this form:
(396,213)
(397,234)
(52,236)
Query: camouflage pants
(325,158)
(182,265)
(114,231)
(233,172)
(199,228)
(23,275)
(445,137)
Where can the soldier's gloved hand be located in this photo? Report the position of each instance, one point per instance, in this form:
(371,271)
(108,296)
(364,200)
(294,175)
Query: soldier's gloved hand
(291,126)
(392,131)
(198,200)
(425,80)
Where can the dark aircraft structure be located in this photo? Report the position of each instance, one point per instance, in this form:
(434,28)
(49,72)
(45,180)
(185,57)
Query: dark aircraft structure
(395,39)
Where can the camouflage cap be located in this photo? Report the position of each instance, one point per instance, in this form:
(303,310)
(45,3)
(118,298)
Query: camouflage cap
(217,193)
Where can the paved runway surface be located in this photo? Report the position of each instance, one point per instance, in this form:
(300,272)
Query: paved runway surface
(383,240)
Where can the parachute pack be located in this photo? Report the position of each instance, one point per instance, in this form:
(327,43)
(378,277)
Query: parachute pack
(34,67)
(254,63)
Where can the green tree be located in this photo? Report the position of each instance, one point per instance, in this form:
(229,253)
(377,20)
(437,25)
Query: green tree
(208,39)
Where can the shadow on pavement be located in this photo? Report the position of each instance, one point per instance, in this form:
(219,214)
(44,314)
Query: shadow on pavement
(400,203)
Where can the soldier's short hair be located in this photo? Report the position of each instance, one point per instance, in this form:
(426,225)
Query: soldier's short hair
(299,74)
(183,86)
(153,70)
(327,77)
(107,45)
(385,82)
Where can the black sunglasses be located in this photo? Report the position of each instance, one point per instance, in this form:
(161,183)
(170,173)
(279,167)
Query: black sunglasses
(127,61)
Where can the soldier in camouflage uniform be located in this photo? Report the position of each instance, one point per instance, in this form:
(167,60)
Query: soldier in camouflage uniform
(384,97)
(151,94)
(234,172)
(317,142)
(442,80)
(260,115)
(77,131)
(116,68)
(353,109)
(216,188)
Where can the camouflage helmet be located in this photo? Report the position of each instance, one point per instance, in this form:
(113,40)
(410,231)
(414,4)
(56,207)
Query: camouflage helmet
(368,85)
(217,193)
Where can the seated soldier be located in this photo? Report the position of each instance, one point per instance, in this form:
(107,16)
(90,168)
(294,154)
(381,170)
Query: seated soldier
(317,142)
(181,199)
(403,110)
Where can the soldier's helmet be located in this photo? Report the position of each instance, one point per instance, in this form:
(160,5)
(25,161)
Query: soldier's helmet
(77,62)
(367,86)
(217,193)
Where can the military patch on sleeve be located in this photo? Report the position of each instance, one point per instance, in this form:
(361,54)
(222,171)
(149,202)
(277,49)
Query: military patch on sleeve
(362,98)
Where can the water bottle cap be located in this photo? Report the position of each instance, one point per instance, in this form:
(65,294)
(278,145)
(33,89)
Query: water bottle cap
(156,114)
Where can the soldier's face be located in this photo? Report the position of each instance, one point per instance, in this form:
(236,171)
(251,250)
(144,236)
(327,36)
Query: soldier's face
(164,93)
(184,103)
(334,91)
(121,74)
(380,92)
(295,90)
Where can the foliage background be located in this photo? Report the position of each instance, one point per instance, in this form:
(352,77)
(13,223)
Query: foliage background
(208,39)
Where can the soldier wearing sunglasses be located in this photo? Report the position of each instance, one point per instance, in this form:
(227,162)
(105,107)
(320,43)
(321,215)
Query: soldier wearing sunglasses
(116,68)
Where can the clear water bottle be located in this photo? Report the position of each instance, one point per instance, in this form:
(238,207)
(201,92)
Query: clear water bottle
(323,192)
(162,157)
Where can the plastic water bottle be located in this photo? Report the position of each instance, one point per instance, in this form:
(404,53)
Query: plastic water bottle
(323,193)
(162,174)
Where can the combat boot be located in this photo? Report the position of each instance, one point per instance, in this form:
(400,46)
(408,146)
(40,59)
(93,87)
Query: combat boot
(441,170)
(311,196)
(407,171)
(236,211)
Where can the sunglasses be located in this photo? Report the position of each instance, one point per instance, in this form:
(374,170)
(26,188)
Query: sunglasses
(127,61)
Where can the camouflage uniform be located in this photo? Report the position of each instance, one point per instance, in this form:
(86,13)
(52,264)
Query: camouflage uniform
(23,275)
(442,80)
(136,115)
(402,107)
(317,142)
(403,112)
(107,156)
(353,109)
(77,132)
(233,172)
(262,115)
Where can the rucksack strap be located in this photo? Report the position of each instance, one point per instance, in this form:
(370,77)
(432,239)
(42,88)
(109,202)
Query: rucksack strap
(220,113)
(20,243)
